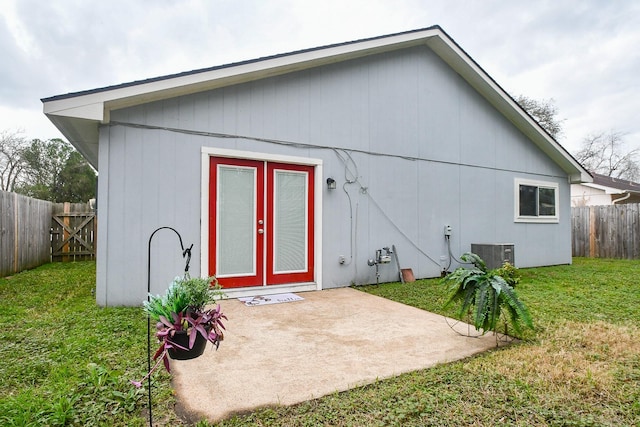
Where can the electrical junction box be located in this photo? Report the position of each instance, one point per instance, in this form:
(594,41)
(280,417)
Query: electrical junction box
(494,254)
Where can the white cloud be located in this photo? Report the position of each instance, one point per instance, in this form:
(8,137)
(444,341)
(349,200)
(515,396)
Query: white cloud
(29,122)
(581,53)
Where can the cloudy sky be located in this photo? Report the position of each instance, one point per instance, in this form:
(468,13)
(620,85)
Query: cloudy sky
(583,54)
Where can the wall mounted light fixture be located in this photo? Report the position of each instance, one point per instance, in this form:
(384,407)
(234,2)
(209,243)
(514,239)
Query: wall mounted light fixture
(331,183)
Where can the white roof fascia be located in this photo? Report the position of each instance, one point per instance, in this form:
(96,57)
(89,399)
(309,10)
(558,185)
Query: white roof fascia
(607,189)
(90,110)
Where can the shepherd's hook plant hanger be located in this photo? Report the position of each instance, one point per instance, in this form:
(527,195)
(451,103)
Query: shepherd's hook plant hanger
(186,253)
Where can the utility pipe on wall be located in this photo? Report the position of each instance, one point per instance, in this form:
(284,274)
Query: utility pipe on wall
(613,202)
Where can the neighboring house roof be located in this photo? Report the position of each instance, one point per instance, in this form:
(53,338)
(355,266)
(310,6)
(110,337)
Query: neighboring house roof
(613,185)
(78,115)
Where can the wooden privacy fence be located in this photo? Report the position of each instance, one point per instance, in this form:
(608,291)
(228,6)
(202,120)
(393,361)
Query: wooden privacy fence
(606,231)
(24,232)
(34,232)
(73,232)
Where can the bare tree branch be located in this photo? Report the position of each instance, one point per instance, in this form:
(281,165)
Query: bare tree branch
(12,166)
(605,153)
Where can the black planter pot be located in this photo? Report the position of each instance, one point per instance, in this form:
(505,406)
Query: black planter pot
(182,339)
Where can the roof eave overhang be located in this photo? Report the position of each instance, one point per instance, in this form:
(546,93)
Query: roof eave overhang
(469,70)
(92,108)
(78,116)
(82,133)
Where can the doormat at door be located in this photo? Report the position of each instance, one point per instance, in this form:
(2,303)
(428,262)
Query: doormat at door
(270,299)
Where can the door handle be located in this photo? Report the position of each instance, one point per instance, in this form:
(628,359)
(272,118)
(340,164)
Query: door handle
(260,231)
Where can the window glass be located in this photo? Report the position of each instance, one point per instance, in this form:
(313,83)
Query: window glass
(528,200)
(290,221)
(547,201)
(535,201)
(237,219)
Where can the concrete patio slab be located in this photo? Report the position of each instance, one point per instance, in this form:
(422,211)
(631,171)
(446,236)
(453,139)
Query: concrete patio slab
(334,340)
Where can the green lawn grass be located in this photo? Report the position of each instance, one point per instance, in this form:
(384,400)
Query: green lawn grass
(64,360)
(67,362)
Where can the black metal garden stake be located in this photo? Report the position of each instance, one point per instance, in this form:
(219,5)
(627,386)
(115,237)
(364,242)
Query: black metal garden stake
(185,253)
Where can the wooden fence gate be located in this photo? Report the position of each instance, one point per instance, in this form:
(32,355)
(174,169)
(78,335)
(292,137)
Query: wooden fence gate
(73,232)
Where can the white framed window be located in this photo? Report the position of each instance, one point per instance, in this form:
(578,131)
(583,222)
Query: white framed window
(536,201)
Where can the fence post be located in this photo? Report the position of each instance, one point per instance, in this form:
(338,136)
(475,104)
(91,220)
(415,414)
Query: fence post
(16,234)
(592,232)
(65,234)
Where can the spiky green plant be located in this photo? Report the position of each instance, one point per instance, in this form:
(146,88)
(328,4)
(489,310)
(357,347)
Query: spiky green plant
(184,293)
(486,296)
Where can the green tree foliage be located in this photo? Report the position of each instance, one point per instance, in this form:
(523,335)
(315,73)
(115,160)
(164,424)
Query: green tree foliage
(77,180)
(55,171)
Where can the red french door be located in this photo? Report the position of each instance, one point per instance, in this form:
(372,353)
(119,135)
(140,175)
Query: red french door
(260,222)
(236,222)
(289,223)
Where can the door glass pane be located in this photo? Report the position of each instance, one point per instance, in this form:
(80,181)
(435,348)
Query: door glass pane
(236,220)
(290,221)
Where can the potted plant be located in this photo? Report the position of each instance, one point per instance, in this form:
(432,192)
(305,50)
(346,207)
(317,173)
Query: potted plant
(487,296)
(184,323)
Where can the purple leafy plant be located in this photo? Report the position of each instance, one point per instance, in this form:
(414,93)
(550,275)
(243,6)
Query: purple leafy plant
(207,323)
(182,308)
